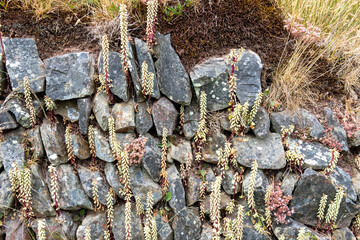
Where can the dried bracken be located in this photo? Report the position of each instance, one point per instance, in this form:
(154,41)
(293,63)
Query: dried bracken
(251,200)
(147,80)
(334,159)
(54,186)
(123,34)
(69,147)
(152,6)
(41,230)
(163,172)
(321,210)
(95,195)
(215,215)
(29,101)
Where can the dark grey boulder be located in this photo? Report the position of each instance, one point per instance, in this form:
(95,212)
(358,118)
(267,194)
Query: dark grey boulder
(151,159)
(80,146)
(261,183)
(7,121)
(343,234)
(179,150)
(101,110)
(7,197)
(165,232)
(12,151)
(68,110)
(282,119)
(21,113)
(119,224)
(193,188)
(102,146)
(165,115)
(338,132)
(342,179)
(211,76)
(288,183)
(96,222)
(143,120)
(69,76)
(215,140)
(262,123)
(124,116)
(173,79)
(84,106)
(34,137)
(113,178)
(22,59)
(3,80)
(228,182)
(191,120)
(177,201)
(187,226)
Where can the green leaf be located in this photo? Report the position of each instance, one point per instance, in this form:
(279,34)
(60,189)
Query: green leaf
(272,103)
(82,212)
(167,208)
(76,218)
(168,196)
(202,172)
(266,92)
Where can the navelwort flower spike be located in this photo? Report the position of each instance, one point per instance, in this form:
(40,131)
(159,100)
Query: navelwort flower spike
(333,209)
(152,6)
(238,225)
(267,202)
(147,80)
(123,14)
(251,190)
(182,116)
(228,229)
(128,219)
(95,191)
(110,211)
(215,214)
(91,138)
(321,210)
(163,172)
(202,130)
(87,233)
(285,133)
(54,186)
(302,235)
(139,206)
(233,58)
(29,101)
(69,147)
(334,159)
(104,77)
(254,110)
(41,229)
(50,107)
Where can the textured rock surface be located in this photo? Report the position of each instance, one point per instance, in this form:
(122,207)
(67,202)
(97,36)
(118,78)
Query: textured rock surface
(21,113)
(228,182)
(7,121)
(165,115)
(80,146)
(84,106)
(124,116)
(165,232)
(96,222)
(113,178)
(342,179)
(119,85)
(68,110)
(102,146)
(71,195)
(261,184)
(338,132)
(173,79)
(143,55)
(315,185)
(282,119)
(215,140)
(211,76)
(262,123)
(53,137)
(101,109)
(288,183)
(343,234)
(6,194)
(22,59)
(11,150)
(34,138)
(143,120)
(16,228)
(152,157)
(119,224)
(188,226)
(191,120)
(193,188)
(69,76)
(268,151)
(177,201)
(179,150)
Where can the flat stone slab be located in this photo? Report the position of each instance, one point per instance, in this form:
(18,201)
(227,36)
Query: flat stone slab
(69,76)
(22,59)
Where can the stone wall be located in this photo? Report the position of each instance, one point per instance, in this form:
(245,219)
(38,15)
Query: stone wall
(69,80)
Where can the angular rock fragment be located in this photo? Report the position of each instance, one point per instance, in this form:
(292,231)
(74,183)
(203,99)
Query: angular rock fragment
(165,115)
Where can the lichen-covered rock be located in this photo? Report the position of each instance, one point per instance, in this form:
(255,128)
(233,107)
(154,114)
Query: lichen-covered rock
(102,146)
(288,183)
(151,159)
(34,137)
(124,116)
(21,113)
(206,232)
(143,120)
(3,80)
(306,198)
(119,224)
(71,195)
(53,137)
(22,59)
(177,201)
(211,76)
(338,132)
(143,55)
(248,77)
(84,106)
(173,79)
(125,138)
(141,184)
(343,234)
(69,76)
(11,150)
(16,228)
(262,123)
(268,151)
(112,177)
(165,115)
(6,194)
(96,222)
(215,140)
(165,232)
(41,202)
(7,121)
(119,85)
(193,188)
(187,226)
(87,176)
(80,146)
(191,120)
(101,110)
(261,183)
(68,110)
(228,182)
(180,150)
(282,119)
(134,71)
(342,179)
(315,155)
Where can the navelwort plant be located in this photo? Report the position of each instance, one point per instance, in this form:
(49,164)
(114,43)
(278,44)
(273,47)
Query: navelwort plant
(110,213)
(69,146)
(334,159)
(150,229)
(139,206)
(50,107)
(95,191)
(29,101)
(333,209)
(54,187)
(228,229)
(321,210)
(163,172)
(152,6)
(251,200)
(123,14)
(147,81)
(105,81)
(232,59)
(215,215)
(200,136)
(92,148)
(41,230)
(238,223)
(87,233)
(185,169)
(269,189)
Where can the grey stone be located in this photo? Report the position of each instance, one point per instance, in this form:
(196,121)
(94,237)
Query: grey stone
(165,115)
(262,123)
(307,120)
(193,188)
(34,137)
(21,113)
(224,200)
(119,224)
(165,232)
(101,110)
(342,179)
(187,226)
(80,146)
(87,176)
(143,120)
(12,151)
(306,198)
(228,182)
(355,141)
(143,55)
(214,141)
(16,228)
(191,120)
(206,232)
(152,157)
(119,85)
(211,76)
(338,132)
(248,77)
(134,71)
(268,151)
(7,197)
(282,119)
(177,201)
(124,116)
(84,106)
(315,155)
(261,183)
(96,222)
(68,110)
(41,202)
(179,150)
(141,183)
(7,121)
(22,59)
(288,183)
(173,79)
(69,76)
(343,234)
(226,125)
(3,80)
(125,138)
(71,195)
(113,179)
(53,137)
(209,178)
(291,231)
(61,227)
(102,146)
